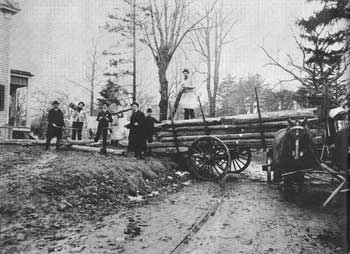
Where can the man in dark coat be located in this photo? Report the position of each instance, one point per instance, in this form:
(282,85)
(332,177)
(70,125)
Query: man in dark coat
(149,128)
(149,125)
(137,138)
(104,117)
(55,125)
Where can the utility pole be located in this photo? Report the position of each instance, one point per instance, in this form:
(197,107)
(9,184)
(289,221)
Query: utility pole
(92,88)
(134,52)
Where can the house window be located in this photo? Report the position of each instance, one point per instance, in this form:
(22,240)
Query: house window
(2,97)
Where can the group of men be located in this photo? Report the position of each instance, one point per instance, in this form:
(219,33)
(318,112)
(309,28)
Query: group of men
(141,126)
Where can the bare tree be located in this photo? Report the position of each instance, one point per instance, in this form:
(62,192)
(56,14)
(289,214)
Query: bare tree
(145,100)
(169,23)
(315,73)
(91,74)
(208,41)
(175,77)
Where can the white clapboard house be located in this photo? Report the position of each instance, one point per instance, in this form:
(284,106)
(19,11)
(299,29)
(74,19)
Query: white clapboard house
(11,81)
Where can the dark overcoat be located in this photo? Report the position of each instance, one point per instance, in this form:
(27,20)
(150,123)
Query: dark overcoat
(55,116)
(104,118)
(137,137)
(149,128)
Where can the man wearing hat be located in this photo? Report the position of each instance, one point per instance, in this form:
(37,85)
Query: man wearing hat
(104,117)
(137,138)
(79,117)
(55,125)
(188,98)
(149,127)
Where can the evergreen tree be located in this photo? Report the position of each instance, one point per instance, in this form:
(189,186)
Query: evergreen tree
(112,93)
(326,51)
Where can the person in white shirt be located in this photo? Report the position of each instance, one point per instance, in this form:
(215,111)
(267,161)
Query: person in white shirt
(188,98)
(79,118)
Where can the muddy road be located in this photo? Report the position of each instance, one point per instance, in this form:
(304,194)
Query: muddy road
(245,215)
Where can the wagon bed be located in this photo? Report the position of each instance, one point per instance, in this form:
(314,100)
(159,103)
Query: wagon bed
(216,146)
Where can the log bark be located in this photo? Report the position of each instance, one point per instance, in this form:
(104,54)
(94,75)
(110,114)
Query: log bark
(236,128)
(97,149)
(237,136)
(248,118)
(251,143)
(219,130)
(192,122)
(42,142)
(169,150)
(271,118)
(18,142)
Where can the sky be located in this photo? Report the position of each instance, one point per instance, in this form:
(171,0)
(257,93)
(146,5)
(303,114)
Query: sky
(52,38)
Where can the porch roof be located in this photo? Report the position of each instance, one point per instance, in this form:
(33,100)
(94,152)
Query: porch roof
(9,5)
(19,78)
(21,73)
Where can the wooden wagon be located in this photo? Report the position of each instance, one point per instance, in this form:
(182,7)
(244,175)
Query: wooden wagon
(216,146)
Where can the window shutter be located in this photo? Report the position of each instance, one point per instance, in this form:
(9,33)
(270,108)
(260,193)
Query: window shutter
(2,97)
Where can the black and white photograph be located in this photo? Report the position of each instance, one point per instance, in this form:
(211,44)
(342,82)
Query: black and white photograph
(174,126)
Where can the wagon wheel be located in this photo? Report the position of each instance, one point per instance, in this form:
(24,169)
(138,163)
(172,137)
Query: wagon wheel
(209,158)
(240,158)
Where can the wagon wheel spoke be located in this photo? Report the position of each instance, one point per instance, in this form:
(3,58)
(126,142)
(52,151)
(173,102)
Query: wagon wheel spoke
(217,172)
(202,168)
(238,160)
(199,155)
(239,166)
(220,154)
(207,170)
(243,156)
(209,158)
(197,162)
(241,159)
(221,168)
(222,163)
(213,170)
(234,165)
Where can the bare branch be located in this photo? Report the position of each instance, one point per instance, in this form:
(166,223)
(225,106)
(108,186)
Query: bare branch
(85,89)
(276,63)
(189,29)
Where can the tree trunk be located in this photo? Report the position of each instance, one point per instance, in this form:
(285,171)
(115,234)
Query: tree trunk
(216,85)
(163,103)
(92,88)
(92,98)
(212,106)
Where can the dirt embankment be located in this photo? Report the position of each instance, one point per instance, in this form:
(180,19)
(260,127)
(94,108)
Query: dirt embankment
(43,192)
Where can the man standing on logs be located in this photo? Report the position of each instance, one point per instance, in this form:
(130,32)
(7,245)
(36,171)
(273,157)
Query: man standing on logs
(188,98)
(55,125)
(137,137)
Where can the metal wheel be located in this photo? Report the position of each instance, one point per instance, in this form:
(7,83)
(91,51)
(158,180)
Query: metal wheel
(209,158)
(240,159)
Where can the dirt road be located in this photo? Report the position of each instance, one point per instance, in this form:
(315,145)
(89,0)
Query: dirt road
(246,215)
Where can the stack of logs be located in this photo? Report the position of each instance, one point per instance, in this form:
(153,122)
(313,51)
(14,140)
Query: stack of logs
(242,130)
